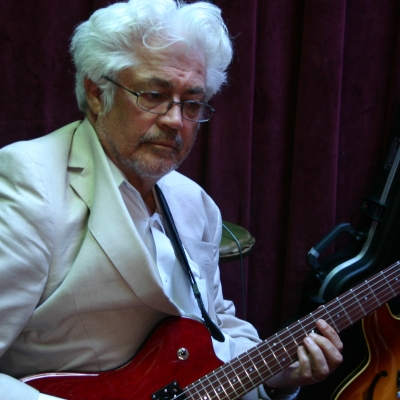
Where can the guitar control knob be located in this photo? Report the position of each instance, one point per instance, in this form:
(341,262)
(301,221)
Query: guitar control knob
(183,354)
(398,395)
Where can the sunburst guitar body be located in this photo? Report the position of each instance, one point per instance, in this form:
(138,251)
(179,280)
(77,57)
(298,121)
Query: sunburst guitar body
(379,376)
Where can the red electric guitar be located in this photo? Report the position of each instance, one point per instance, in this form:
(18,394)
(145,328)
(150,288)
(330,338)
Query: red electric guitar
(178,362)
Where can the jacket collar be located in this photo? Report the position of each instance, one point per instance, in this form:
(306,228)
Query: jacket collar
(110,222)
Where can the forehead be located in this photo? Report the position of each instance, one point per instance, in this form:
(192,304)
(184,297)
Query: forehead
(171,68)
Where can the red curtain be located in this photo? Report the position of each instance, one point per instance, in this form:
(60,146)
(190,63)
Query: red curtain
(299,133)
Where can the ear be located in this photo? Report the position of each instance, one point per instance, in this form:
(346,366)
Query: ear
(93,98)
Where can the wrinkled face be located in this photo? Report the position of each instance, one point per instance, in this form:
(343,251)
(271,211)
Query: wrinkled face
(143,145)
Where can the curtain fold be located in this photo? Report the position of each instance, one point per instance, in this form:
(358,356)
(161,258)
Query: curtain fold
(316,135)
(299,134)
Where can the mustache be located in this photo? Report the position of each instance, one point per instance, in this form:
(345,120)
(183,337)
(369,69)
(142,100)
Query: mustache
(162,136)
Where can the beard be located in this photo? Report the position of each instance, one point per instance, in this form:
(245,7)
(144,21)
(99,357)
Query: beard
(159,165)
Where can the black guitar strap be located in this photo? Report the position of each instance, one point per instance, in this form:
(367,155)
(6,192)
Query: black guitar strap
(180,253)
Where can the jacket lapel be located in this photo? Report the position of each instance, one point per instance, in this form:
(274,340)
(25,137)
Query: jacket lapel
(183,212)
(110,222)
(191,228)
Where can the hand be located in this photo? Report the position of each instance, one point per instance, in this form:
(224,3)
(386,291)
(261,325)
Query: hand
(317,358)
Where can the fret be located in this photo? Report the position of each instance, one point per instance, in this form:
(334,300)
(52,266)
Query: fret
(193,391)
(335,314)
(282,352)
(248,378)
(232,376)
(210,378)
(198,390)
(293,338)
(389,285)
(354,305)
(220,389)
(247,371)
(214,394)
(306,333)
(300,330)
(202,391)
(257,376)
(250,368)
(372,292)
(344,310)
(224,380)
(289,346)
(263,361)
(396,281)
(369,301)
(232,372)
(355,297)
(312,316)
(328,317)
(274,344)
(382,291)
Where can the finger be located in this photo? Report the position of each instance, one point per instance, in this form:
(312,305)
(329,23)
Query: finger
(324,355)
(319,366)
(306,369)
(304,362)
(327,331)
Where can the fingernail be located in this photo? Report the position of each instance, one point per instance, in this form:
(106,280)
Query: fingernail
(308,340)
(322,324)
(313,335)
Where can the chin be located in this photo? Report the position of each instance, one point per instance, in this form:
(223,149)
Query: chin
(154,169)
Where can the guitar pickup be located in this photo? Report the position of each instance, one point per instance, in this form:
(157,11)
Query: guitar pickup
(169,392)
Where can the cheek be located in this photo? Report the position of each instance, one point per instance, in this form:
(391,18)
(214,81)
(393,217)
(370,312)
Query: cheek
(189,137)
(125,131)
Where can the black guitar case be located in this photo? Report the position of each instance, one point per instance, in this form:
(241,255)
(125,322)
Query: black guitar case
(370,247)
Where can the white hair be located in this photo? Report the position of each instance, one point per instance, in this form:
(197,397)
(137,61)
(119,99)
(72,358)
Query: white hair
(111,40)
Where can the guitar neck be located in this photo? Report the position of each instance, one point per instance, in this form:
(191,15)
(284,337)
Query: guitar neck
(247,371)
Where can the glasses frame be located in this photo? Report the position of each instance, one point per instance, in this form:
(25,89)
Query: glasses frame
(181,103)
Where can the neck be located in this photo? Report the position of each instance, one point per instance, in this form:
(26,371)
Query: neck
(150,202)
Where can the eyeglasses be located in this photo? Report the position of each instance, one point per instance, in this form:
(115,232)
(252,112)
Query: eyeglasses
(158,103)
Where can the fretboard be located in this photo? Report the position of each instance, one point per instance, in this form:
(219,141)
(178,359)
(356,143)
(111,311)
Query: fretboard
(247,371)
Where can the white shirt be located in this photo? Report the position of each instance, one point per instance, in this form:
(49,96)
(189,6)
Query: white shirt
(151,230)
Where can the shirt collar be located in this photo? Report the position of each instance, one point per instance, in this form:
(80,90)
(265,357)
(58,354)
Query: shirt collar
(118,175)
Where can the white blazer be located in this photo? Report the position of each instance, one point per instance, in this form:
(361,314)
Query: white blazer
(78,289)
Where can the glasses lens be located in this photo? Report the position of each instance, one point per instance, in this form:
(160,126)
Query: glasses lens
(153,101)
(195,111)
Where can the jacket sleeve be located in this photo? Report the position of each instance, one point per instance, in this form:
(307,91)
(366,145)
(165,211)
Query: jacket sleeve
(25,250)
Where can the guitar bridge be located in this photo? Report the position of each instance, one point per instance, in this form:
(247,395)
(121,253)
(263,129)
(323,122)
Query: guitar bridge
(169,392)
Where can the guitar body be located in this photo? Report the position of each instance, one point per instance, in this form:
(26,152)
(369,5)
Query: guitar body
(378,378)
(156,365)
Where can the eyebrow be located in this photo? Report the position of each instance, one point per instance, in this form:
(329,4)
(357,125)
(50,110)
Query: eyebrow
(163,83)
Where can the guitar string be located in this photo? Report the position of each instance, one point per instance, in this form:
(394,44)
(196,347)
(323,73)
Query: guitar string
(335,308)
(351,293)
(377,282)
(351,298)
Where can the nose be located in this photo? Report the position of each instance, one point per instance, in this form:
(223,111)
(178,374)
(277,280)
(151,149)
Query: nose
(173,117)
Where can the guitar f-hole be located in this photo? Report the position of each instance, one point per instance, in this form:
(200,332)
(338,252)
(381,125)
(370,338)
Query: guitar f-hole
(369,394)
(169,392)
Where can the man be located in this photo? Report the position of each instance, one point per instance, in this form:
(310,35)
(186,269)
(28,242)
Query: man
(86,262)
